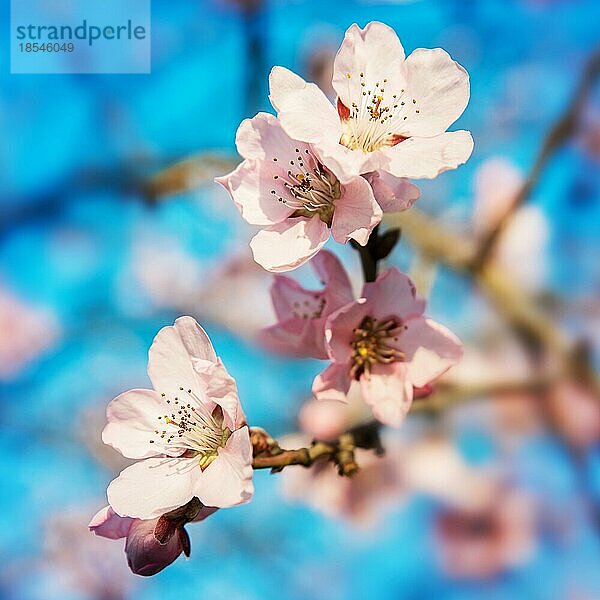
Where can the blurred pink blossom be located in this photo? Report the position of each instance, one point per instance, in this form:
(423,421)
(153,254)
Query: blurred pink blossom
(520,250)
(78,563)
(392,113)
(302,313)
(235,294)
(575,413)
(284,186)
(26,333)
(483,542)
(433,467)
(383,341)
(485,525)
(327,419)
(362,499)
(189,434)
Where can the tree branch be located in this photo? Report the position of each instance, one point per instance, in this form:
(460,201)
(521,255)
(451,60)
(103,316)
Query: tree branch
(558,134)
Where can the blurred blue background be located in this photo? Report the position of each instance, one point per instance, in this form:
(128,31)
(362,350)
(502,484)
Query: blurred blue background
(88,272)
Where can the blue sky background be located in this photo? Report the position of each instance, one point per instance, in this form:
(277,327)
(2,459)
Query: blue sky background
(72,148)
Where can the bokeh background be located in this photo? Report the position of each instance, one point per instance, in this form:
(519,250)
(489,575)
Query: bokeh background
(99,248)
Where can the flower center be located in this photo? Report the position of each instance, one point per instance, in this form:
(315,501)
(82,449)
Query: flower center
(372,344)
(374,121)
(308,187)
(191,428)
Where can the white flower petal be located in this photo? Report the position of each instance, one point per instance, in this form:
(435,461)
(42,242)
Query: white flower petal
(172,356)
(426,158)
(152,487)
(303,109)
(377,53)
(287,245)
(356,213)
(227,481)
(438,88)
(132,419)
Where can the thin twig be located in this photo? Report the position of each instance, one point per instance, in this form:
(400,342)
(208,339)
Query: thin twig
(558,134)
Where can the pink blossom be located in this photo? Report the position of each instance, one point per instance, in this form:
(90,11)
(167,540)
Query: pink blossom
(75,564)
(284,186)
(393,194)
(383,341)
(301,313)
(521,247)
(486,541)
(327,419)
(363,499)
(150,545)
(433,467)
(392,113)
(25,333)
(236,295)
(575,413)
(189,434)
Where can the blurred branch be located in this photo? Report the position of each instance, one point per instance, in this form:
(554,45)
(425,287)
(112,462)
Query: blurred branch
(448,395)
(519,310)
(564,127)
(186,175)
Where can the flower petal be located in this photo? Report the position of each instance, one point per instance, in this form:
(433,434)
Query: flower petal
(107,523)
(221,389)
(303,109)
(287,245)
(497,183)
(173,353)
(339,329)
(393,194)
(227,481)
(440,87)
(430,350)
(356,213)
(426,158)
(132,419)
(296,337)
(154,486)
(388,392)
(393,294)
(291,300)
(249,186)
(377,54)
(333,383)
(324,419)
(338,289)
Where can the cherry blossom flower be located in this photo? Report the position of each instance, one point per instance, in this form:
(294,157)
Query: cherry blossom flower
(301,313)
(433,467)
(485,525)
(235,294)
(151,545)
(189,434)
(392,113)
(75,564)
(383,341)
(362,499)
(26,332)
(284,186)
(486,541)
(521,247)
(328,419)
(575,413)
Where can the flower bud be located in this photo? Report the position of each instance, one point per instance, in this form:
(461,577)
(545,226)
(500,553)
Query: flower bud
(145,554)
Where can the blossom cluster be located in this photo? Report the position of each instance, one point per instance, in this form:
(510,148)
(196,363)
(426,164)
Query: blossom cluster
(316,170)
